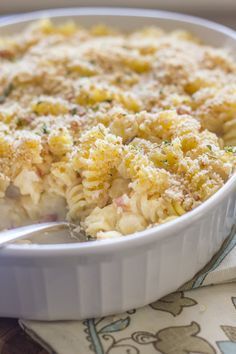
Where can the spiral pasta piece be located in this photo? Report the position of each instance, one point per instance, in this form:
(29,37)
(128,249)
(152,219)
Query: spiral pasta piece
(95,161)
(78,207)
(61,177)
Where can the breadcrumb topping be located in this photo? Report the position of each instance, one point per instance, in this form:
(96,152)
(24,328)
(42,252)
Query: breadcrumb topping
(117,131)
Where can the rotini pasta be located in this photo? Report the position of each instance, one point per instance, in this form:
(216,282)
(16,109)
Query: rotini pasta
(77,203)
(116,131)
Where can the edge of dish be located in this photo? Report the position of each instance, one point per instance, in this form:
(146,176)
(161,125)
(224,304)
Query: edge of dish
(141,237)
(116,11)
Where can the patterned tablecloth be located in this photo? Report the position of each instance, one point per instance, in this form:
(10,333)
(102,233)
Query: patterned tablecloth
(199,318)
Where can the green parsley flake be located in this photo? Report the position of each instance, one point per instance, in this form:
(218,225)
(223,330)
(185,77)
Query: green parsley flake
(95,108)
(45,129)
(230,149)
(74,111)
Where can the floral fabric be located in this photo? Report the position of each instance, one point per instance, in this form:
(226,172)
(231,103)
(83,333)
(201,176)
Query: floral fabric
(198,318)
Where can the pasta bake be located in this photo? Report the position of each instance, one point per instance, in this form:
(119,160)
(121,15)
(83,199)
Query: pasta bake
(115,131)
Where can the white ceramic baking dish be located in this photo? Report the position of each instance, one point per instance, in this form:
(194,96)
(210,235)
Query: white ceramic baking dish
(75,281)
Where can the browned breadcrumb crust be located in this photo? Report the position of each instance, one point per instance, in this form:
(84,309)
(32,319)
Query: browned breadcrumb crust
(124,131)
